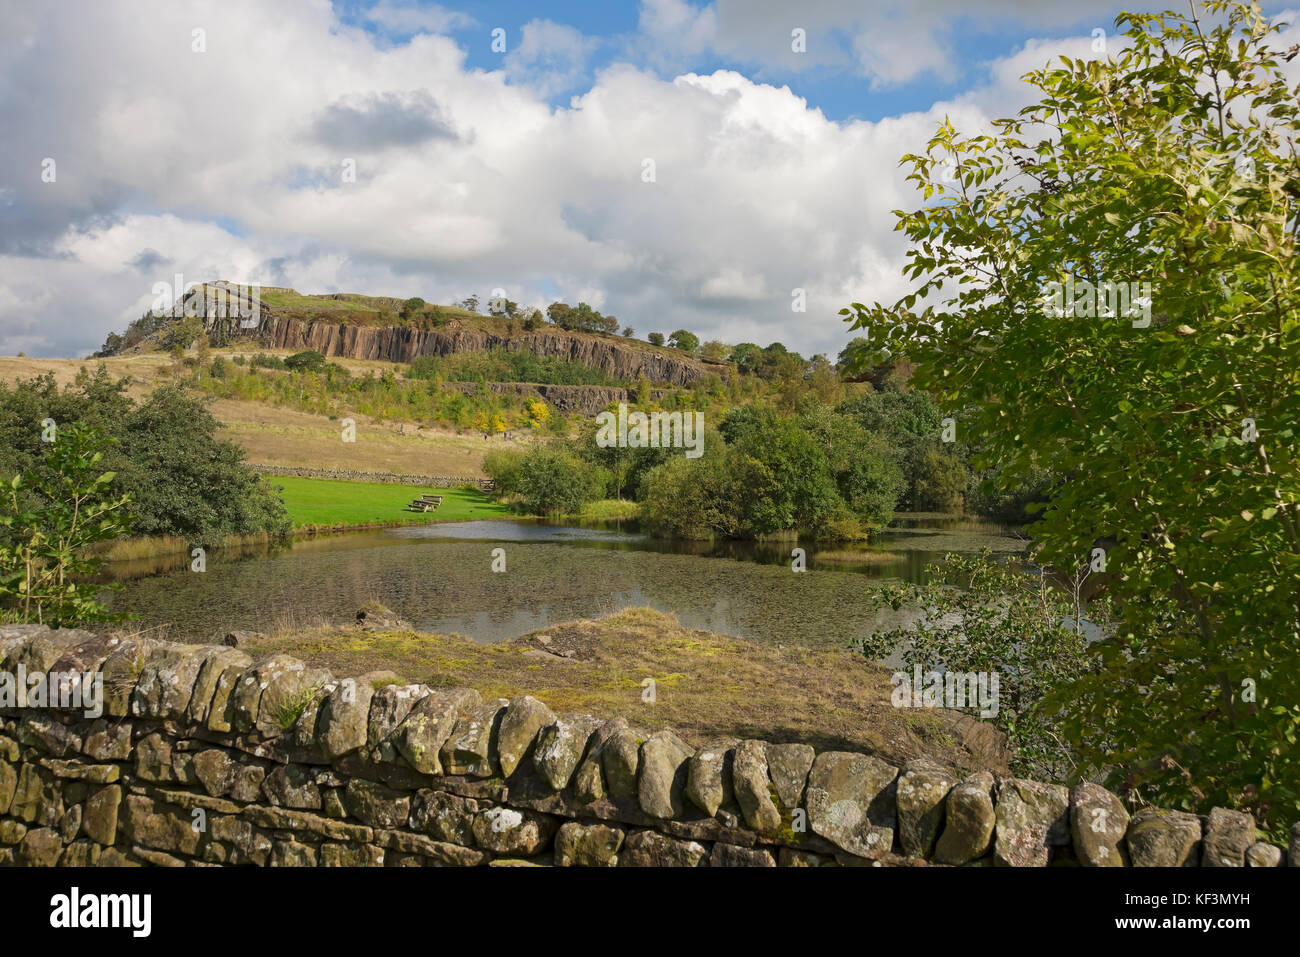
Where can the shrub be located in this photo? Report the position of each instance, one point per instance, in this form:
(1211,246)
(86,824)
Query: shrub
(308,361)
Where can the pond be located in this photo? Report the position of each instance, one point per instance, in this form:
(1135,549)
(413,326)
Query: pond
(440,578)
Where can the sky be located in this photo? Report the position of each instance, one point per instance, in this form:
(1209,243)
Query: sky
(677,164)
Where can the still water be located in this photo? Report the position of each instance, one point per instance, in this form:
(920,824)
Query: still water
(440,578)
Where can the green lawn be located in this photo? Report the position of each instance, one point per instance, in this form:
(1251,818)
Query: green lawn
(328,502)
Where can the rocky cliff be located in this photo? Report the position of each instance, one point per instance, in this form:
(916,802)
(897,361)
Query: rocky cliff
(398,344)
(338,336)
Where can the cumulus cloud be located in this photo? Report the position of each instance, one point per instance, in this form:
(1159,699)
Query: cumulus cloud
(233,164)
(550,57)
(379,120)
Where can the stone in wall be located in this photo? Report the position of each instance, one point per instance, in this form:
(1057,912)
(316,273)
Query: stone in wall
(213,759)
(852,802)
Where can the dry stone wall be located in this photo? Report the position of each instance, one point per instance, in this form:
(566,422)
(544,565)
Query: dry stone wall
(203,756)
(390,478)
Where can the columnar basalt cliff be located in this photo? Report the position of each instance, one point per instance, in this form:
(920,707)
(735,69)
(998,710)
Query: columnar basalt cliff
(399,344)
(620,359)
(204,756)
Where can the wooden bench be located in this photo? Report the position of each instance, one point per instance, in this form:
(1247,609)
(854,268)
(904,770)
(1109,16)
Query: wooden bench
(425,503)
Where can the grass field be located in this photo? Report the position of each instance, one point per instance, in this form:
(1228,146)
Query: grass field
(328,502)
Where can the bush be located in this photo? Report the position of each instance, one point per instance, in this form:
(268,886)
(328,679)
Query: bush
(308,361)
(505,467)
(979,615)
(54,512)
(264,361)
(555,481)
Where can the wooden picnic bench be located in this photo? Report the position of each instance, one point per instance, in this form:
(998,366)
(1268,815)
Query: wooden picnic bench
(425,503)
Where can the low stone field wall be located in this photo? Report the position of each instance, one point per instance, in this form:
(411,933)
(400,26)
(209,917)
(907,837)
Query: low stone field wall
(202,756)
(391,478)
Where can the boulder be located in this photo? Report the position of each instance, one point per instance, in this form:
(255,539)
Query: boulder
(620,759)
(420,737)
(587,845)
(1160,838)
(1228,836)
(215,664)
(922,797)
(388,709)
(287,696)
(375,804)
(292,785)
(561,745)
(166,681)
(852,802)
(505,830)
(8,784)
(521,722)
(108,741)
(152,824)
(1031,818)
(470,749)
(447,817)
(1098,823)
(343,722)
(788,766)
(40,847)
(664,770)
(652,849)
(1263,854)
(753,787)
(708,778)
(589,780)
(99,821)
(729,855)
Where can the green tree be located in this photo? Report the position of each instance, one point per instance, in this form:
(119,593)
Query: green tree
(412,308)
(686,341)
(555,481)
(655,338)
(1173,423)
(187,482)
(44,564)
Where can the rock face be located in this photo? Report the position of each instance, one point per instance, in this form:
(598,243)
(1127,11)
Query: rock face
(617,359)
(190,771)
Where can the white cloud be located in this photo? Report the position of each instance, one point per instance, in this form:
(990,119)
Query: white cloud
(228,164)
(551,57)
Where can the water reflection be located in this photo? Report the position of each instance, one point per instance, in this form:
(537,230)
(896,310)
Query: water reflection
(439,578)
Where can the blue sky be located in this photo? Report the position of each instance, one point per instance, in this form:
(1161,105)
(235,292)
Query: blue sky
(384,147)
(841,90)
